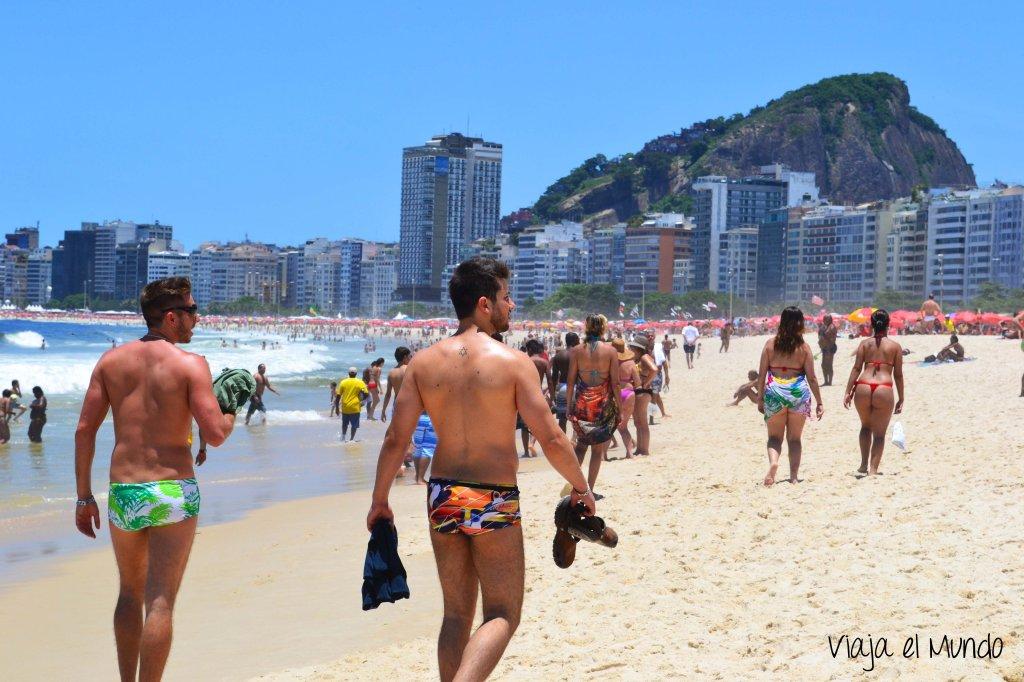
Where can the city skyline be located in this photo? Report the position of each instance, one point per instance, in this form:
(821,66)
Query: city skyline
(286,129)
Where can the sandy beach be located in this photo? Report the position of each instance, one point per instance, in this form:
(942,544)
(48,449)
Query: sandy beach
(715,577)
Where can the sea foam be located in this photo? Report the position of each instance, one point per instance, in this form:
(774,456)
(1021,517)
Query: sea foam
(26,339)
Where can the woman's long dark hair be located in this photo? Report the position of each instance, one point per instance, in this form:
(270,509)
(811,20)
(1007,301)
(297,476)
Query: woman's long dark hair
(791,330)
(879,325)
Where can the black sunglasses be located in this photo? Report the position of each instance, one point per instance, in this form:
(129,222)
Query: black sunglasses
(190,309)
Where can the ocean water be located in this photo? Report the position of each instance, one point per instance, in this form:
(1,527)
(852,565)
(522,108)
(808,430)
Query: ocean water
(296,453)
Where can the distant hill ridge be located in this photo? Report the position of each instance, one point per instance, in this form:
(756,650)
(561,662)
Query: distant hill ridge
(858,133)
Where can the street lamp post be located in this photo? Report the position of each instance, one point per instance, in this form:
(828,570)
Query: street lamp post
(643,296)
(828,282)
(940,257)
(729,275)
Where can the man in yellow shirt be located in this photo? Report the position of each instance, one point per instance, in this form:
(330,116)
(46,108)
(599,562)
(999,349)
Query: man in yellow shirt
(352,392)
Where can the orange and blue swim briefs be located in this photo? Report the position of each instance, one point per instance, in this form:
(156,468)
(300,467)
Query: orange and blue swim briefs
(471,508)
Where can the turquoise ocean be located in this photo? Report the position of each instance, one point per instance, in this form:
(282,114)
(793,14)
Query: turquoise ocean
(295,453)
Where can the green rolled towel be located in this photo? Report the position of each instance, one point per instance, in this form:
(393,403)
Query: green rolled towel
(233,389)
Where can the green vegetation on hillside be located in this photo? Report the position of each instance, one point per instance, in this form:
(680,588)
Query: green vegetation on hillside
(869,98)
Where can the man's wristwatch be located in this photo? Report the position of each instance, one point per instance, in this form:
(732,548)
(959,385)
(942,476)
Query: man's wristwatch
(82,502)
(582,494)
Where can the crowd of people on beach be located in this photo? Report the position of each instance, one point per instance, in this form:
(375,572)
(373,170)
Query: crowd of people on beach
(455,403)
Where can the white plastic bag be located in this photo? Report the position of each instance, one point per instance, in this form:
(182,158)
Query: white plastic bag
(899,436)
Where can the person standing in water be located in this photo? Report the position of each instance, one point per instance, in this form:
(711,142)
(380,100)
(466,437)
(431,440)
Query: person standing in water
(5,415)
(785,383)
(402,356)
(256,401)
(37,416)
(878,364)
(373,385)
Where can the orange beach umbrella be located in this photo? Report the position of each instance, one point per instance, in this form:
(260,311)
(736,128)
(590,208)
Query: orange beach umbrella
(861,315)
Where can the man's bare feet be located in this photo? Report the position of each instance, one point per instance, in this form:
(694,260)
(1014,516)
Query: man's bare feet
(769,480)
(862,471)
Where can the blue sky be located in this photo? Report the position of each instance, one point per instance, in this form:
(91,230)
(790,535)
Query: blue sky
(286,121)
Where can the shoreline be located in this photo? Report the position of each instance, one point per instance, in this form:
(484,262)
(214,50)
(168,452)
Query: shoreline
(287,623)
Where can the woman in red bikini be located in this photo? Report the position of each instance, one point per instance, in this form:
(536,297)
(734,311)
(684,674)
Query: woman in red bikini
(878,365)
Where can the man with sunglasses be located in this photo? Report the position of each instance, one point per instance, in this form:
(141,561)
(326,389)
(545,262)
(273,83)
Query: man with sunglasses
(155,390)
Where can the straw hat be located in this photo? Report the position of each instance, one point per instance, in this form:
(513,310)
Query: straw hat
(639,341)
(619,344)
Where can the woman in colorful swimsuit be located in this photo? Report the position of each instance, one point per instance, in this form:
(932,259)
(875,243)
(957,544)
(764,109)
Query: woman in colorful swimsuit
(592,395)
(373,384)
(785,383)
(646,370)
(877,366)
(629,379)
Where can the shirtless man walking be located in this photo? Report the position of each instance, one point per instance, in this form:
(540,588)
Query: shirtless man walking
(155,390)
(931,315)
(534,348)
(472,386)
(256,401)
(560,378)
(402,356)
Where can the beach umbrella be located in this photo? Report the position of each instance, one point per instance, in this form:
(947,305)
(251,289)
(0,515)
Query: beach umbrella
(967,316)
(993,318)
(905,315)
(862,315)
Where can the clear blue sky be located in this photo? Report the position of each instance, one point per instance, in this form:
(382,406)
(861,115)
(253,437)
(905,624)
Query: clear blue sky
(287,120)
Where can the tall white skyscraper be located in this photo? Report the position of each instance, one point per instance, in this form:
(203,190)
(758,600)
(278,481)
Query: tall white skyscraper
(451,195)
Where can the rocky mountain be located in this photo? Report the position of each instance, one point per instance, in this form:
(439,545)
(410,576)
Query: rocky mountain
(858,133)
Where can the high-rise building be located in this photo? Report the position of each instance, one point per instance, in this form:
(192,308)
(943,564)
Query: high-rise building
(38,276)
(721,204)
(608,256)
(771,253)
(110,235)
(831,254)
(226,273)
(74,262)
(801,187)
(651,254)
(906,250)
(26,238)
(740,261)
(13,275)
(380,278)
(290,277)
(974,237)
(163,264)
(548,257)
(131,268)
(451,195)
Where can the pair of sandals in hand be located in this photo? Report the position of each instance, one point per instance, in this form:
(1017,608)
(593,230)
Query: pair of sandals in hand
(571,526)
